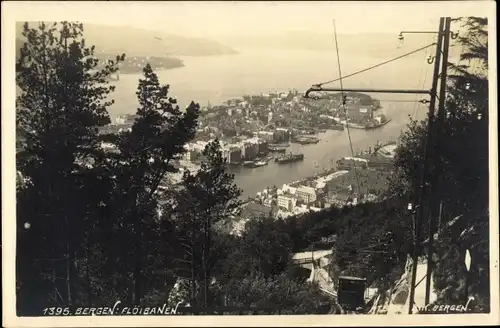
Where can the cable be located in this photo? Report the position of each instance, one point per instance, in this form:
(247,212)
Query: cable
(420,86)
(345,109)
(378,65)
(404,101)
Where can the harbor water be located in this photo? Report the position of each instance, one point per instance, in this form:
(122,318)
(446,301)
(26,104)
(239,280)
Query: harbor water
(215,79)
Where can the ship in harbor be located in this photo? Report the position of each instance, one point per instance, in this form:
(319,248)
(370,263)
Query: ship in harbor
(289,158)
(277,149)
(374,126)
(305,140)
(338,127)
(253,164)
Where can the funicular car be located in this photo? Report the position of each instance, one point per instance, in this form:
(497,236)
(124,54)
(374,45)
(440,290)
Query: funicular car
(351,292)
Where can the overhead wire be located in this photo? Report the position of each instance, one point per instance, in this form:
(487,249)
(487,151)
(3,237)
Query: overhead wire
(378,65)
(421,85)
(418,86)
(344,107)
(423,101)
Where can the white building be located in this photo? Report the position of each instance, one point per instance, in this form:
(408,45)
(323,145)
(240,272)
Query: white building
(120,120)
(125,119)
(283,214)
(300,209)
(269,117)
(289,189)
(108,145)
(268,202)
(306,194)
(287,201)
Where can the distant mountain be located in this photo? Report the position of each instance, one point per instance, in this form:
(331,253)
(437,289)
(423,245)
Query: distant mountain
(374,44)
(139,42)
(132,64)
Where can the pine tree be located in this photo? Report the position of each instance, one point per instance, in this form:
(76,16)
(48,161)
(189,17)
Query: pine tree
(208,201)
(61,102)
(147,155)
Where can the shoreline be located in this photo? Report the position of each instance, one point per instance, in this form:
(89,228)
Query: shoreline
(368,127)
(154,70)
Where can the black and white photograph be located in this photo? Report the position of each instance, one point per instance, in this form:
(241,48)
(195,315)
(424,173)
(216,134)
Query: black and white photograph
(289,162)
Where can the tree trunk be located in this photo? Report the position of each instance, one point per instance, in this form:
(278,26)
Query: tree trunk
(68,279)
(137,266)
(206,253)
(137,272)
(193,276)
(70,256)
(70,273)
(193,263)
(205,276)
(89,285)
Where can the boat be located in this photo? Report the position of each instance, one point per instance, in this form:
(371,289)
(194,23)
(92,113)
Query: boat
(303,140)
(279,145)
(260,163)
(248,163)
(339,127)
(253,164)
(375,126)
(277,149)
(289,158)
(357,126)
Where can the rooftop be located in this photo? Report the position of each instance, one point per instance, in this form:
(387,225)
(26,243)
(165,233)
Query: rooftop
(287,194)
(306,189)
(254,207)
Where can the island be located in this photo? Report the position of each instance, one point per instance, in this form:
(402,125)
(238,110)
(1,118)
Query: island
(135,64)
(140,46)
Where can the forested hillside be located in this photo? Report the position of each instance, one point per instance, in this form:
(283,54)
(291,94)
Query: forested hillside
(94,226)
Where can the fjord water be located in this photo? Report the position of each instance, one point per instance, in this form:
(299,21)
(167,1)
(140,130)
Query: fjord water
(218,78)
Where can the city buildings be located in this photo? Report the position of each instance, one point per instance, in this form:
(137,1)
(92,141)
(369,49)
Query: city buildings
(254,211)
(347,163)
(287,201)
(127,119)
(247,127)
(266,135)
(232,154)
(250,149)
(281,135)
(306,194)
(338,199)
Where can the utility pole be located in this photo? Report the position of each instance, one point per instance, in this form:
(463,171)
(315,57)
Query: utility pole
(420,209)
(443,34)
(437,133)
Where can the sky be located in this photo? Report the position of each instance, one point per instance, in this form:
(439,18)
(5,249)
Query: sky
(250,18)
(221,19)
